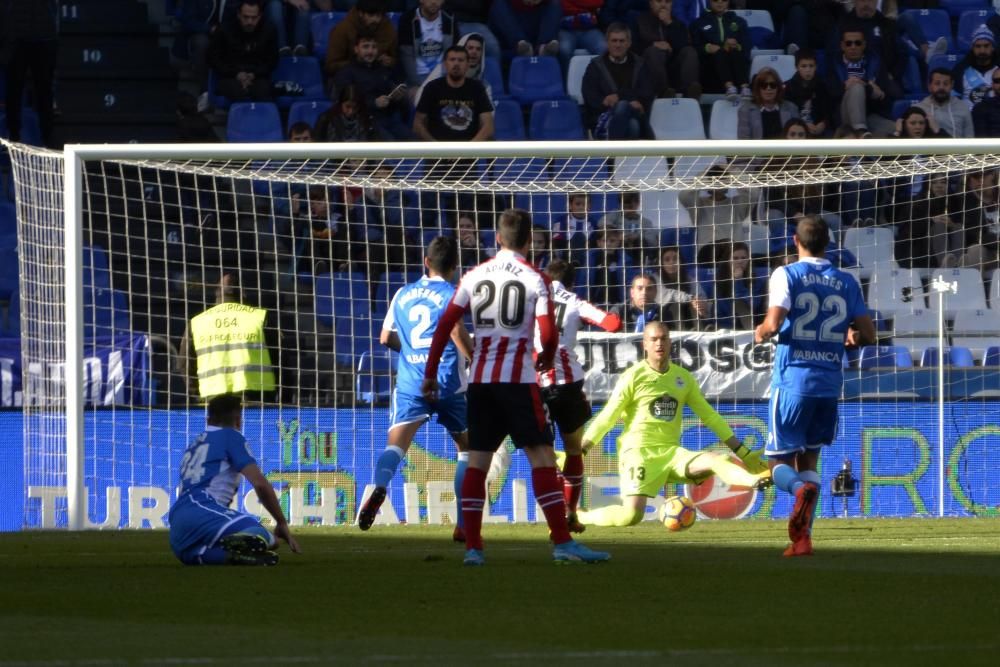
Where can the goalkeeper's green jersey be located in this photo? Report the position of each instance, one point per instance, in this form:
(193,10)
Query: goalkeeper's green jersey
(651,405)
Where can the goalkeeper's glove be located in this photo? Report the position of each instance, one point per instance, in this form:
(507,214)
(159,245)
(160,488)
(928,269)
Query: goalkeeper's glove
(751,458)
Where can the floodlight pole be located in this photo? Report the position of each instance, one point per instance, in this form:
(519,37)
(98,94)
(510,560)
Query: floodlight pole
(941,286)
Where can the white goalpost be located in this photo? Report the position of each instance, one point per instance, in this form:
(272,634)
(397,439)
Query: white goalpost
(118,246)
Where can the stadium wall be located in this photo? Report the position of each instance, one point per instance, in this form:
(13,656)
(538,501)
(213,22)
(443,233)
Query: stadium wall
(321,459)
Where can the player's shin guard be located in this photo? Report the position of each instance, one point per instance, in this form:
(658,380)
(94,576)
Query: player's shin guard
(463,464)
(786,478)
(549,495)
(572,481)
(473,500)
(386,465)
(732,474)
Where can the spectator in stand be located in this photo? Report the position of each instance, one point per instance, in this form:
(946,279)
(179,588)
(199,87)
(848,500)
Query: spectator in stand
(796,128)
(688,309)
(454,107)
(951,114)
(738,295)
(473,43)
(640,232)
(425,33)
(973,76)
(916,124)
(809,94)
(642,306)
(607,263)
(718,214)
(857,84)
(927,237)
(541,251)
(300,133)
(527,27)
(347,121)
(367,16)
(300,9)
(975,210)
(472,251)
(617,90)
(580,30)
(572,230)
(244,53)
(722,40)
(384,96)
(664,42)
(764,115)
(473,17)
(196,20)
(986,114)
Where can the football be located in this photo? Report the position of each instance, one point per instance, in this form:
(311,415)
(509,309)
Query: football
(678,513)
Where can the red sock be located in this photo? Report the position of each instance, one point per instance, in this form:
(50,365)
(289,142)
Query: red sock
(473,499)
(549,496)
(572,473)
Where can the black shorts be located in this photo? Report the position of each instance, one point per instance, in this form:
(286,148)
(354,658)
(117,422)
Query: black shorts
(568,405)
(502,409)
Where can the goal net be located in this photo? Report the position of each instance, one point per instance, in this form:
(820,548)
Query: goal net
(118,247)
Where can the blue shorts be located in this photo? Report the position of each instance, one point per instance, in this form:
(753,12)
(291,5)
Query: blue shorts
(451,411)
(197,522)
(798,423)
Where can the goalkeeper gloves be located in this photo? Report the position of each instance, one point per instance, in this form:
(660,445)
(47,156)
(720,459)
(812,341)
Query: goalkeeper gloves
(751,459)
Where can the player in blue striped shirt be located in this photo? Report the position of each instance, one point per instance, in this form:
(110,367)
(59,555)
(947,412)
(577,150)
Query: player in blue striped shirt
(814,310)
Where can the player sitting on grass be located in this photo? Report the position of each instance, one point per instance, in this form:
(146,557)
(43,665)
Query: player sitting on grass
(203,530)
(650,398)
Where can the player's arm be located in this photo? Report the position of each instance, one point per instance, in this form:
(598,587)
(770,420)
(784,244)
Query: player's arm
(548,332)
(718,425)
(452,315)
(780,302)
(862,331)
(609,414)
(463,341)
(388,337)
(771,325)
(267,497)
(591,314)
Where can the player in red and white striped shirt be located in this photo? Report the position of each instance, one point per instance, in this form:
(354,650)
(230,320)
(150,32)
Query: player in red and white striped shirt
(562,385)
(508,298)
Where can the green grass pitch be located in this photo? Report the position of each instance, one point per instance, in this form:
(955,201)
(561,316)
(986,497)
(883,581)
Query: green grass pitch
(877,592)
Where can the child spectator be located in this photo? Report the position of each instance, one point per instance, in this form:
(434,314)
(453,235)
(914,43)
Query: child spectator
(809,95)
(722,40)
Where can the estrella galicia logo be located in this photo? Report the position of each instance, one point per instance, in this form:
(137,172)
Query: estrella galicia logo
(665,408)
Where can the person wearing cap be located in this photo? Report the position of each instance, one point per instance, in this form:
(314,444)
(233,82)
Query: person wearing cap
(974,74)
(951,114)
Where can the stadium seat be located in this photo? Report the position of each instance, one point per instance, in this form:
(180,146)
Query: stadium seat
(535,78)
(994,294)
(892,289)
(992,356)
(947,61)
(9,278)
(320,25)
(677,118)
(105,312)
(870,245)
(689,166)
(968,22)
(31,129)
(306,72)
(882,356)
(96,270)
(935,23)
(10,326)
(761,27)
(340,296)
(574,76)
(353,336)
(576,169)
(306,111)
(555,120)
(955,8)
(254,122)
(494,77)
(389,283)
(374,379)
(970,295)
(724,121)
(664,209)
(508,121)
(637,169)
(915,330)
(976,329)
(683,238)
(785,65)
(956,356)
(8,219)
(899,107)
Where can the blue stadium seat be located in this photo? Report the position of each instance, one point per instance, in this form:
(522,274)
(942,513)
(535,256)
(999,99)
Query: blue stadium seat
(340,296)
(683,238)
(968,23)
(555,120)
(955,8)
(8,219)
(389,283)
(992,356)
(850,358)
(105,312)
(881,356)
(508,121)
(96,270)
(10,327)
(935,23)
(31,129)
(306,72)
(254,122)
(899,107)
(535,78)
(947,61)
(9,278)
(320,25)
(959,357)
(218,101)
(517,170)
(374,380)
(306,111)
(494,77)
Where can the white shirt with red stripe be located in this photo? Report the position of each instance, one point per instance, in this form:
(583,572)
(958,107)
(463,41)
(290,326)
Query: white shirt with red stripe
(505,296)
(571,313)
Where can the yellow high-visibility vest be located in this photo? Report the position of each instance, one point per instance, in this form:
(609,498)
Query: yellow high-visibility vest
(232,357)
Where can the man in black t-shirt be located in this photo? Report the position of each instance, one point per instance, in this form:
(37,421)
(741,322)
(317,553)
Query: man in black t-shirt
(454,108)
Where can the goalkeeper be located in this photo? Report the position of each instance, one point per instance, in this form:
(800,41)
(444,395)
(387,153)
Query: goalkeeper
(650,398)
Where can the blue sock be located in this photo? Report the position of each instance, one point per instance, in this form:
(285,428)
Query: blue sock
(214,556)
(785,478)
(812,476)
(463,463)
(386,465)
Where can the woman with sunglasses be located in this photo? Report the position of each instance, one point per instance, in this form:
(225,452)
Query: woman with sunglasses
(764,115)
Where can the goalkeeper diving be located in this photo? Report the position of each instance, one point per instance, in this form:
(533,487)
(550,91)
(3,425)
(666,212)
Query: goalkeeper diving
(650,398)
